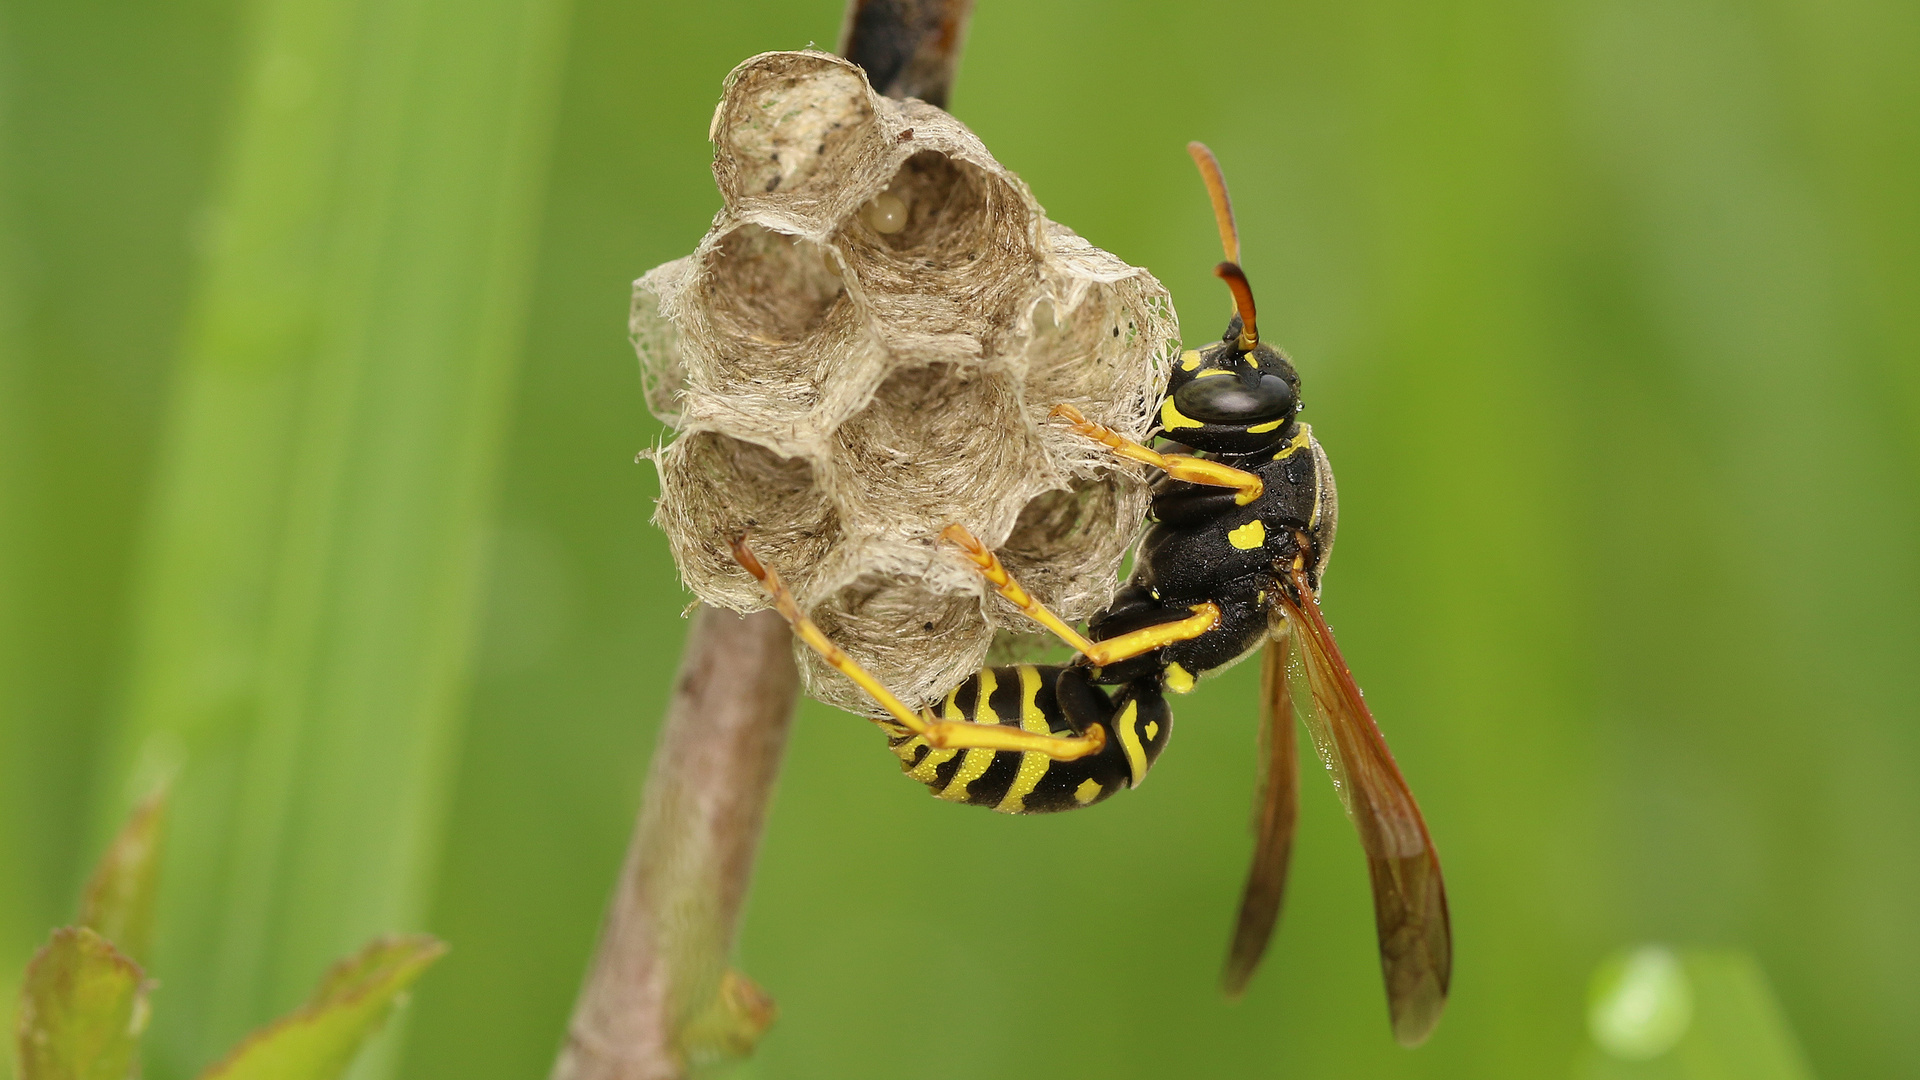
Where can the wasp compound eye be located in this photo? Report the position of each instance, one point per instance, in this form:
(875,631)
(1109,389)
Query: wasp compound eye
(1228,399)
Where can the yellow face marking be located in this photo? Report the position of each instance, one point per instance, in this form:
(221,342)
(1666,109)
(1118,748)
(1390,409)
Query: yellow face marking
(1130,742)
(1271,425)
(1085,793)
(978,758)
(1189,360)
(1179,679)
(1300,441)
(1171,417)
(1250,536)
(1033,763)
(1153,730)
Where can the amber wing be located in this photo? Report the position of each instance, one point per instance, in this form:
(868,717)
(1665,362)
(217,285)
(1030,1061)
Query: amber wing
(1276,808)
(1409,899)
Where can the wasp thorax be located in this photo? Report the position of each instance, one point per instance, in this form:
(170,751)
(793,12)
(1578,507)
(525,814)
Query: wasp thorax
(863,350)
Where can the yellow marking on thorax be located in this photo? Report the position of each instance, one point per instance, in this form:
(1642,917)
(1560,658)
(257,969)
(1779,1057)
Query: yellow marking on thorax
(1262,429)
(1210,372)
(1130,742)
(1085,793)
(1179,679)
(1033,763)
(1189,360)
(1171,417)
(1153,730)
(1250,536)
(1313,519)
(978,758)
(1300,441)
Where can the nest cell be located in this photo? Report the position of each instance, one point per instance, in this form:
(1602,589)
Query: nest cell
(1067,544)
(918,640)
(785,131)
(766,287)
(781,351)
(941,444)
(714,488)
(945,282)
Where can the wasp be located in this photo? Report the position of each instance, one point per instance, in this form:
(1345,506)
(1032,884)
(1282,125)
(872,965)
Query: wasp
(1241,527)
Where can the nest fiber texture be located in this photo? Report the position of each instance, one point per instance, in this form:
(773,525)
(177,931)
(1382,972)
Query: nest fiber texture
(863,350)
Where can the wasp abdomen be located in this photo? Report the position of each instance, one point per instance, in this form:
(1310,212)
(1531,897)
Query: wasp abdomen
(1042,700)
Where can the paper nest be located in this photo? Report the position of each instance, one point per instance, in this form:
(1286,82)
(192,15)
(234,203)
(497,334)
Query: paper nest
(842,394)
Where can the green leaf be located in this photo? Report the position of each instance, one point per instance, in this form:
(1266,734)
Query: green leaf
(319,1040)
(118,901)
(81,1011)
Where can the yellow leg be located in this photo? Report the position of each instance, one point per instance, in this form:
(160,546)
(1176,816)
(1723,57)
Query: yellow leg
(1113,650)
(940,734)
(1193,470)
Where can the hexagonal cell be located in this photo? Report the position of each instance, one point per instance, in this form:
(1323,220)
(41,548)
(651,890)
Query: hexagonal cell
(1067,544)
(941,444)
(767,287)
(774,346)
(1091,352)
(787,121)
(948,641)
(656,339)
(714,488)
(955,266)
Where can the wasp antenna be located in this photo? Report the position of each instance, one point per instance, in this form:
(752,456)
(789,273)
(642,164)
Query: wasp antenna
(1236,280)
(1217,191)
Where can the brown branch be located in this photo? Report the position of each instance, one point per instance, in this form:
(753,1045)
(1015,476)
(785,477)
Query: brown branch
(659,996)
(909,48)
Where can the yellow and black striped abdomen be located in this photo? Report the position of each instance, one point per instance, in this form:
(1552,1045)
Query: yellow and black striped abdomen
(1041,700)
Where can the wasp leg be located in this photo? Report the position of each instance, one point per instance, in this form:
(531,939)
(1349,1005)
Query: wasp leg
(1101,653)
(940,734)
(1193,470)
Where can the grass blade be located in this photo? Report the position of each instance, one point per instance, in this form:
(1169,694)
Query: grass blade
(308,590)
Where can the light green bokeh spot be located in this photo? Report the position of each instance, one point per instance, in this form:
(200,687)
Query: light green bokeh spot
(1640,1003)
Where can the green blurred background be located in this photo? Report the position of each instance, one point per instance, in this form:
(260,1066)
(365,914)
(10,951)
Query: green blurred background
(317,426)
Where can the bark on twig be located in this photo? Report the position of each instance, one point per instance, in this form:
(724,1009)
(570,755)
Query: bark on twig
(909,48)
(661,961)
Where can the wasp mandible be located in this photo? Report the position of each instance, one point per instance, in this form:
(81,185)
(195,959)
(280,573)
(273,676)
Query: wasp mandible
(1241,527)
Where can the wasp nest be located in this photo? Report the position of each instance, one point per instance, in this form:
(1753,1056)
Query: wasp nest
(863,350)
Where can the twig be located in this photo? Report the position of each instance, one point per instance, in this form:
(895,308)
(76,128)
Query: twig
(909,48)
(661,962)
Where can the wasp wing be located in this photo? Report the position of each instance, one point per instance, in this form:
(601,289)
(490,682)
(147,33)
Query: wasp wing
(1276,808)
(1409,898)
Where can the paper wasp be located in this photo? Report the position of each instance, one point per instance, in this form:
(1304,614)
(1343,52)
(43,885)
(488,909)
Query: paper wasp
(1242,525)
